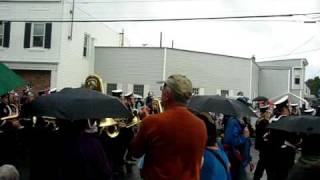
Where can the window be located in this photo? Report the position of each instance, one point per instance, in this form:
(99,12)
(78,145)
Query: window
(38,35)
(1,33)
(297,81)
(138,89)
(225,93)
(111,87)
(86,45)
(195,91)
(4,33)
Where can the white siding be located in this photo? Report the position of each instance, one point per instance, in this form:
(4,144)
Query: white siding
(255,80)
(210,71)
(130,66)
(282,63)
(65,60)
(273,82)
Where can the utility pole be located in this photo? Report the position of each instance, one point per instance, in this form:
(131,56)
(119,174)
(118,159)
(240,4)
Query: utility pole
(72,18)
(172,42)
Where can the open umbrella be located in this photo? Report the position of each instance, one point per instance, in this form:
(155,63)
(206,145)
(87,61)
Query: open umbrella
(219,104)
(79,103)
(260,98)
(299,124)
(9,80)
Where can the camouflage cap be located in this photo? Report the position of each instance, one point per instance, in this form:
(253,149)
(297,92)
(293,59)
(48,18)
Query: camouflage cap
(180,84)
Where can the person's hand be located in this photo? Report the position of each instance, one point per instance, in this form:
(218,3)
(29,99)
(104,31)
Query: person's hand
(246,132)
(144,112)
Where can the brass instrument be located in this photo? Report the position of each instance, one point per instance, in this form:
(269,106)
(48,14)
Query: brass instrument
(14,115)
(94,82)
(157,107)
(110,125)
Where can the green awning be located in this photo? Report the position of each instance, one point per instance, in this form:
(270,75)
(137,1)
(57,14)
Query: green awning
(9,80)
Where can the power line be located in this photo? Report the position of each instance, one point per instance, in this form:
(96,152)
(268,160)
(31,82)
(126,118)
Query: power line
(303,44)
(170,19)
(284,55)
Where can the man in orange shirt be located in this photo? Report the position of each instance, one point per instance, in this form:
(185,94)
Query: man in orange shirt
(173,142)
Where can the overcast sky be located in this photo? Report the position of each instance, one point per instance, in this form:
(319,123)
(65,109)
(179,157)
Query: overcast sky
(267,39)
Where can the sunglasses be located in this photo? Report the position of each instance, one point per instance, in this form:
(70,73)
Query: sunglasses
(163,86)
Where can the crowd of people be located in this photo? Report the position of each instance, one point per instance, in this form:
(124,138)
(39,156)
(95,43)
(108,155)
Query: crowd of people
(178,143)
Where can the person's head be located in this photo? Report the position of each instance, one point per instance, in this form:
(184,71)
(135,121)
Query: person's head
(177,89)
(282,106)
(117,93)
(5,99)
(9,172)
(129,98)
(211,128)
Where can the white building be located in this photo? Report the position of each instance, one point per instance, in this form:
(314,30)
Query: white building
(279,77)
(50,54)
(139,68)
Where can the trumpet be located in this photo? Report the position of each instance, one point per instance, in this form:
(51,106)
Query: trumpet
(112,126)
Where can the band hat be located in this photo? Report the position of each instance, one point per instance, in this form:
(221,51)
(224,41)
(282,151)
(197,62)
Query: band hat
(309,110)
(129,94)
(180,84)
(117,91)
(283,102)
(294,105)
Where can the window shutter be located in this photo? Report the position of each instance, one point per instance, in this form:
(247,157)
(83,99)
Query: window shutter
(47,42)
(6,34)
(27,34)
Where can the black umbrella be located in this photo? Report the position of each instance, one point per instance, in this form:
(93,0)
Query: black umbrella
(79,103)
(219,104)
(260,98)
(299,124)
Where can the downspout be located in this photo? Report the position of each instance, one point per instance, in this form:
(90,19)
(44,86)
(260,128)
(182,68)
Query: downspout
(302,82)
(164,64)
(250,81)
(289,80)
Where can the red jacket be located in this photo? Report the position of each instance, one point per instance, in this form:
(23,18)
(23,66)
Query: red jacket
(173,143)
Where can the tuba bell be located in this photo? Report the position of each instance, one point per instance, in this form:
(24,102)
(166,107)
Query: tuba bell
(94,82)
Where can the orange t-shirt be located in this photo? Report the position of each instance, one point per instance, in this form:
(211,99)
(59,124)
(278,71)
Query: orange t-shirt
(173,143)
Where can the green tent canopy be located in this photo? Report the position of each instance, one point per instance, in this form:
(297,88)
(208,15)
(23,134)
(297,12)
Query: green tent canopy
(9,80)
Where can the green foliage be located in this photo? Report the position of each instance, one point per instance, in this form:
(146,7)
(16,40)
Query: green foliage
(314,85)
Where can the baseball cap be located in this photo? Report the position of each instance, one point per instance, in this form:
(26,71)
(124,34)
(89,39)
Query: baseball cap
(180,84)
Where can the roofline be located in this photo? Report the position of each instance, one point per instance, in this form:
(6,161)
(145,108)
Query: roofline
(276,67)
(175,49)
(305,61)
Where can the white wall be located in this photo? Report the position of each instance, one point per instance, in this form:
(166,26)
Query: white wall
(74,67)
(128,66)
(211,71)
(65,60)
(274,82)
(255,80)
(27,10)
